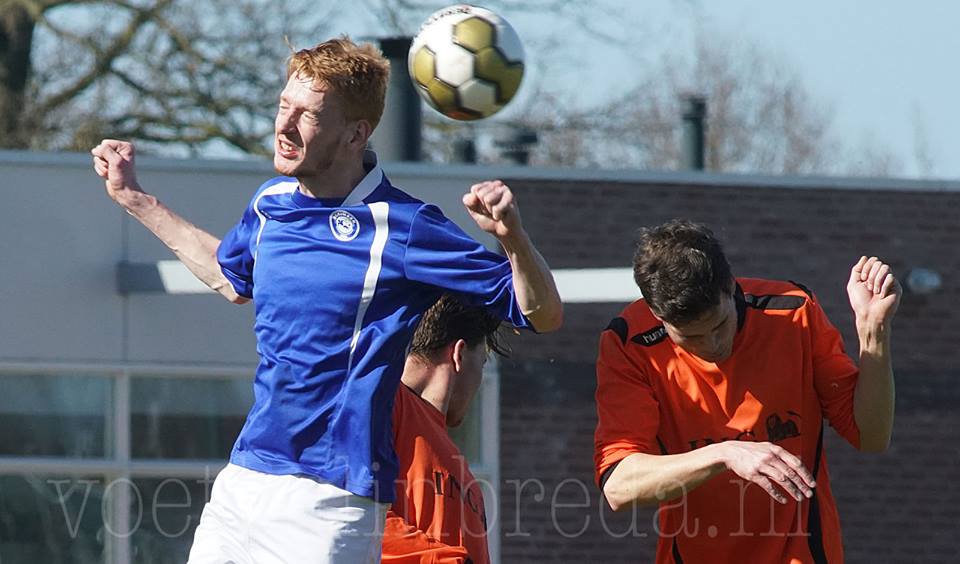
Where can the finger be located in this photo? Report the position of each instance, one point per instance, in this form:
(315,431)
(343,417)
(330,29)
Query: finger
(857,268)
(888,282)
(882,273)
(871,271)
(865,271)
(492,200)
(483,190)
(110,156)
(470,200)
(480,187)
(796,483)
(781,480)
(796,464)
(768,486)
(503,207)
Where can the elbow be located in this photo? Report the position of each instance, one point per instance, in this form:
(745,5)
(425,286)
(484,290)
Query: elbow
(231,295)
(875,446)
(547,321)
(619,499)
(555,321)
(613,500)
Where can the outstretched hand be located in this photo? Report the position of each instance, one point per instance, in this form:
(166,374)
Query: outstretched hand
(873,290)
(114,161)
(492,205)
(766,464)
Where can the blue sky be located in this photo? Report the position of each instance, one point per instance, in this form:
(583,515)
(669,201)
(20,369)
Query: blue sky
(887,69)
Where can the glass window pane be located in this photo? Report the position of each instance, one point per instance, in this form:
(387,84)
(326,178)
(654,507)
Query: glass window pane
(187,417)
(171,510)
(55,415)
(51,519)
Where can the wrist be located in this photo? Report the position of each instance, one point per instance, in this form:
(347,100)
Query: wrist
(874,335)
(514,239)
(137,203)
(716,456)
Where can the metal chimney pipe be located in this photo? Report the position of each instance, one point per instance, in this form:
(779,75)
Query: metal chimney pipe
(465,151)
(694,110)
(515,144)
(398,137)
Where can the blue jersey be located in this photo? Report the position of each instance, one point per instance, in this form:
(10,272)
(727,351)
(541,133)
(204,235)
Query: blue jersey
(339,287)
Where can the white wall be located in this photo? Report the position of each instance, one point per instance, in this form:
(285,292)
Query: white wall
(62,238)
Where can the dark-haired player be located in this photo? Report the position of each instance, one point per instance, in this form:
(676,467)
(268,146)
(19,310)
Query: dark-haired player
(438,516)
(712,397)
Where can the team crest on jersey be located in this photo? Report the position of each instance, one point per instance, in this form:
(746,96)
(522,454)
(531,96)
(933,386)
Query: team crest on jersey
(344,226)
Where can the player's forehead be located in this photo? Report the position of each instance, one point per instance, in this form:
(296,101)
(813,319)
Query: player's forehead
(308,94)
(708,321)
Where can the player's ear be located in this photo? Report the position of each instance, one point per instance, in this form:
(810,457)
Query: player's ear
(459,349)
(360,133)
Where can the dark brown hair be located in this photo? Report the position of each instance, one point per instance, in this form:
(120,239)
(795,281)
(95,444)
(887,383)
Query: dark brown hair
(681,270)
(449,320)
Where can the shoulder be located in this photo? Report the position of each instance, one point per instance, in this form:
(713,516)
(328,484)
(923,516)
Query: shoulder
(390,193)
(276,185)
(636,325)
(775,295)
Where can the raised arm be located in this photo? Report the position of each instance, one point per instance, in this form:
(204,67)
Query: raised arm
(114,161)
(493,207)
(874,295)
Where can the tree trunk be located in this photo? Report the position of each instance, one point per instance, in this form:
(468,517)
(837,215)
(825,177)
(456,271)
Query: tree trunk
(16,40)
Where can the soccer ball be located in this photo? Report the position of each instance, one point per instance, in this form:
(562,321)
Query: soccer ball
(466,62)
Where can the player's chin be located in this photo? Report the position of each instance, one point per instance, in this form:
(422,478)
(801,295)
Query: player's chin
(715,357)
(285,166)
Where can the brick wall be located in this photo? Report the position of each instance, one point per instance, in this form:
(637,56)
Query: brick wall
(901,506)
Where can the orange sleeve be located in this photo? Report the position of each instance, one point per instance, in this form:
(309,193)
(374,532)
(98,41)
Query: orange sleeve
(627,408)
(834,375)
(405,544)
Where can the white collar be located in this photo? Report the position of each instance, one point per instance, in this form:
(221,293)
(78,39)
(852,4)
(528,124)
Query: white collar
(370,182)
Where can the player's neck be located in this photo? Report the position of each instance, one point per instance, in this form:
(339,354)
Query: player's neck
(335,182)
(429,382)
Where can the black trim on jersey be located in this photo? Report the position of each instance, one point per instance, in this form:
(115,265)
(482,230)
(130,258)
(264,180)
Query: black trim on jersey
(676,552)
(815,540)
(741,304)
(651,337)
(806,290)
(619,326)
(606,474)
(774,302)
(663,447)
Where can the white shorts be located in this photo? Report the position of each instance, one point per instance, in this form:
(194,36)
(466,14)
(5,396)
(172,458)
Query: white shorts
(257,518)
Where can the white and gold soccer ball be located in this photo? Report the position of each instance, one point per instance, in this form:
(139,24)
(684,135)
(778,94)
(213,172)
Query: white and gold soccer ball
(466,62)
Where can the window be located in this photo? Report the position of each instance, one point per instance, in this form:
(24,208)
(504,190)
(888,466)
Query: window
(51,519)
(113,464)
(192,418)
(55,415)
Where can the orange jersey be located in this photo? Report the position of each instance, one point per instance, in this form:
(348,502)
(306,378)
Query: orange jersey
(435,494)
(788,371)
(405,544)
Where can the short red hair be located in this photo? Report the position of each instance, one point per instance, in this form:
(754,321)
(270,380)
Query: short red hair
(356,73)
